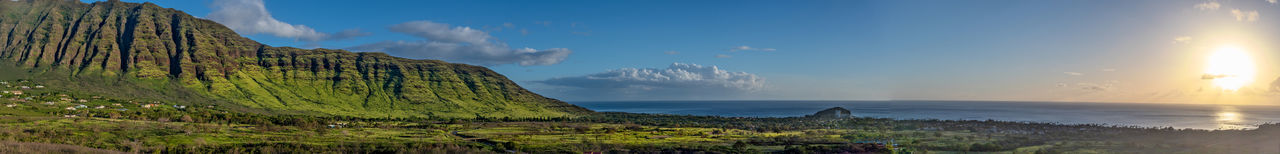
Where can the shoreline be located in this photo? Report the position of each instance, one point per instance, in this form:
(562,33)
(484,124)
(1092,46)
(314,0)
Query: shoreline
(1193,116)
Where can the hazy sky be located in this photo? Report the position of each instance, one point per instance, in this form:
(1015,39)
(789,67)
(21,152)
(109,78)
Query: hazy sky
(1106,51)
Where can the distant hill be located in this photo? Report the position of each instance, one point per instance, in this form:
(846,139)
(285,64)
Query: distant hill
(145,51)
(834,112)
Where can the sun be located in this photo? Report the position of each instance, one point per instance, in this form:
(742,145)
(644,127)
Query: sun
(1230,68)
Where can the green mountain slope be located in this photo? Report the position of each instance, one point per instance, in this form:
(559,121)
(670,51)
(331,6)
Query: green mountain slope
(145,51)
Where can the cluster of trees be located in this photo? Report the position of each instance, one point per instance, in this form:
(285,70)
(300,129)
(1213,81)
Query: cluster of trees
(843,148)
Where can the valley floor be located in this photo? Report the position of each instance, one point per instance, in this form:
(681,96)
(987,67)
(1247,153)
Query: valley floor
(40,121)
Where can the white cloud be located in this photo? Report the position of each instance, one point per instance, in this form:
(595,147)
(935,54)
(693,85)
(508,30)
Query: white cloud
(252,17)
(1275,85)
(1182,40)
(1208,6)
(749,48)
(461,44)
(440,32)
(723,56)
(671,52)
(1245,15)
(1073,73)
(1096,87)
(1272,1)
(677,81)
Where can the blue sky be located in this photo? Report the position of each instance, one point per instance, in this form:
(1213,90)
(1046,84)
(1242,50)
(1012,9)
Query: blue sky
(1114,51)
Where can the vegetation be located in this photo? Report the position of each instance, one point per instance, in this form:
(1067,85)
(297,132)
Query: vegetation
(46,119)
(124,77)
(164,54)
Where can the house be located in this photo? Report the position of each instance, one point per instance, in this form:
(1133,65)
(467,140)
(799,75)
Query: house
(11,105)
(16,92)
(24,87)
(150,105)
(69,116)
(71,108)
(48,103)
(179,106)
(117,104)
(100,107)
(82,100)
(39,86)
(122,109)
(81,106)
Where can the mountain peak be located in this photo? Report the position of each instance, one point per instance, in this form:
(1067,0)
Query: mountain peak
(161,52)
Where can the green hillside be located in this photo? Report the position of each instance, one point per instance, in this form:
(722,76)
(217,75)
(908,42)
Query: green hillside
(148,52)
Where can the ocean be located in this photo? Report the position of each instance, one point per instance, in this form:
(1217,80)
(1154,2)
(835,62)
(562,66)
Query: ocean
(1195,116)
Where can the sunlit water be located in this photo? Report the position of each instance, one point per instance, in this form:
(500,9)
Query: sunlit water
(1123,114)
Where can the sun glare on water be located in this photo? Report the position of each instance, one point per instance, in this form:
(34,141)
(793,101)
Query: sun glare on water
(1230,68)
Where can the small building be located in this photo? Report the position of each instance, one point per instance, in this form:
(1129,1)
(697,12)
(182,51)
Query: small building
(16,92)
(150,105)
(11,105)
(122,109)
(39,86)
(69,116)
(82,100)
(81,106)
(100,107)
(71,108)
(48,103)
(117,104)
(24,87)
(180,106)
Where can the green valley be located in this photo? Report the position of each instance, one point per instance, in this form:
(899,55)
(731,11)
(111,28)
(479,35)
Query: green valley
(146,51)
(121,77)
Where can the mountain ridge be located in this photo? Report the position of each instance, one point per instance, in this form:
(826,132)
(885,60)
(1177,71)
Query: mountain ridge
(163,50)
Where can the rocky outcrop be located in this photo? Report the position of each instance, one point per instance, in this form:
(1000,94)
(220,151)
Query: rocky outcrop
(149,45)
(835,112)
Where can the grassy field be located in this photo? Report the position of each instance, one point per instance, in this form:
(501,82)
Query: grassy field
(47,119)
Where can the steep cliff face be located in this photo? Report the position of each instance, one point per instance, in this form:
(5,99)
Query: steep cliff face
(167,50)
